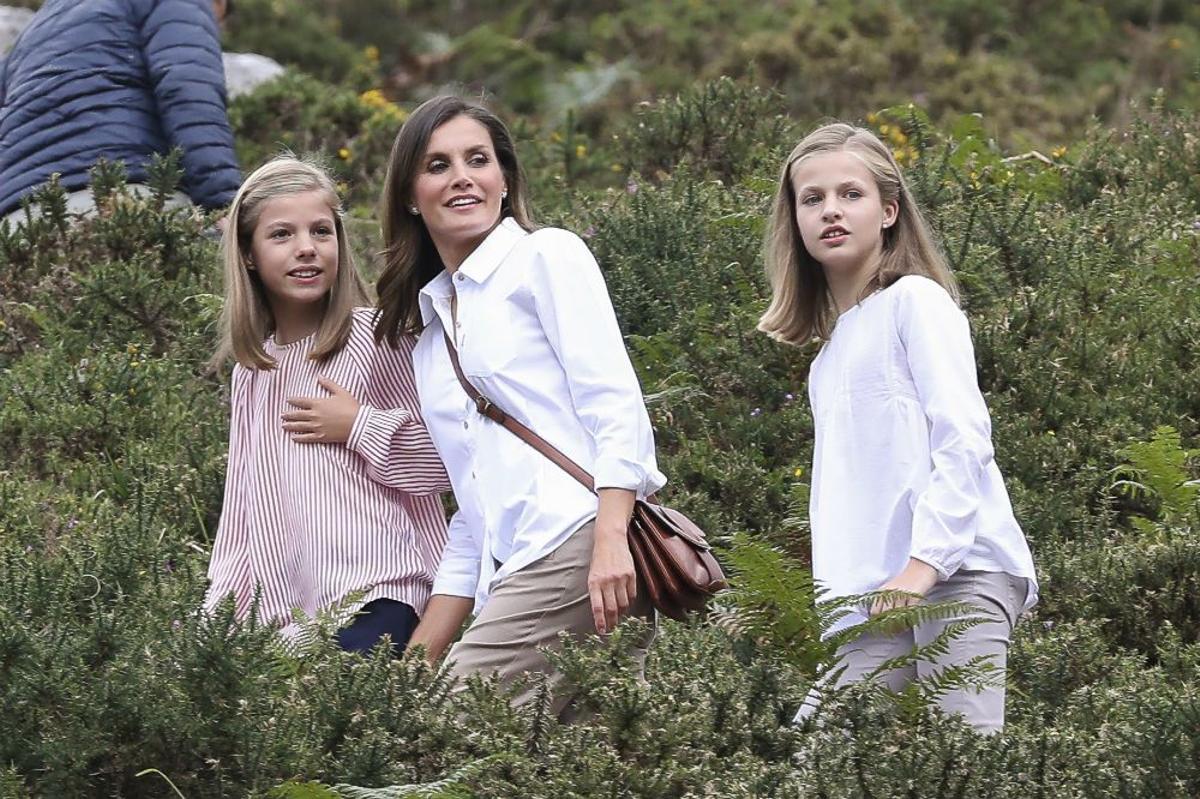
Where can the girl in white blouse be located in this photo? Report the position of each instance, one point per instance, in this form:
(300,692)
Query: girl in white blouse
(906,494)
(530,550)
(333,486)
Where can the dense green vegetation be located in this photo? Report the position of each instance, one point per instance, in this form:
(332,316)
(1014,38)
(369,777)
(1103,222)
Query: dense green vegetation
(1079,272)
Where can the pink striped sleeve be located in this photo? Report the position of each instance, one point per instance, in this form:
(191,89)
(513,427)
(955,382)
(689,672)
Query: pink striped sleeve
(389,433)
(229,566)
(429,521)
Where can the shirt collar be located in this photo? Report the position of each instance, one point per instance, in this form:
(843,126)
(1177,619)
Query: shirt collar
(478,266)
(437,289)
(492,251)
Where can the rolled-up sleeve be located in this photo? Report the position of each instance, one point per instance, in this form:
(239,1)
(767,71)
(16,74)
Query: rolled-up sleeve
(937,343)
(573,305)
(458,573)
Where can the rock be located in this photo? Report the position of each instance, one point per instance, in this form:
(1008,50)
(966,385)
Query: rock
(12,22)
(245,71)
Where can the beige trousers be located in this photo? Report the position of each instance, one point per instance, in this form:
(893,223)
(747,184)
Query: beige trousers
(525,614)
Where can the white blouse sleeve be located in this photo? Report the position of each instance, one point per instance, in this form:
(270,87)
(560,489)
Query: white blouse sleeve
(941,359)
(458,573)
(573,306)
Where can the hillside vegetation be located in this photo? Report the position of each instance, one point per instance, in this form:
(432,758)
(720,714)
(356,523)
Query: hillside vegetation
(1080,272)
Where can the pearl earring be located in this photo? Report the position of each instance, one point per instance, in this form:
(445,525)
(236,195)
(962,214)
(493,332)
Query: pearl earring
(504,194)
(412,209)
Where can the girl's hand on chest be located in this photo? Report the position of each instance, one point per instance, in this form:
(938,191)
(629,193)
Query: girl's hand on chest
(322,420)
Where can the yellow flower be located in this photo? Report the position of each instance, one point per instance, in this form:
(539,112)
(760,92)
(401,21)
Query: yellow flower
(1058,152)
(373,98)
(871,119)
(344,153)
(884,129)
(580,150)
(614,168)
(798,472)
(372,53)
(555,136)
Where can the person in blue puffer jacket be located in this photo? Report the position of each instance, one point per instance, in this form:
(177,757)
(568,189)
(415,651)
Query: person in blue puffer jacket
(119,80)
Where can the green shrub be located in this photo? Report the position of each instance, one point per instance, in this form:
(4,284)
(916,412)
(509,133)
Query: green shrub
(1078,276)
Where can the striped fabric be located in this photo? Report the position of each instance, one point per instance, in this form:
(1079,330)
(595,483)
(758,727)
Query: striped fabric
(310,524)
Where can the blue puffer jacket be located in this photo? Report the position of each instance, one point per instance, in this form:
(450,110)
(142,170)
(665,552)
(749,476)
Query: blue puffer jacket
(121,80)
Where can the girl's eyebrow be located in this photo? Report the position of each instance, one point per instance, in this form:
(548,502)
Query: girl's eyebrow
(321,220)
(849,182)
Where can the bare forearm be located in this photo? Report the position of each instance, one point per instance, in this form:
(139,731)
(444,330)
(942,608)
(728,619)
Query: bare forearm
(917,577)
(615,508)
(443,618)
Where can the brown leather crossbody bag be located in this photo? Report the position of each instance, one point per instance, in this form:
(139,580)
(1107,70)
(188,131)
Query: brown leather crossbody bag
(674,562)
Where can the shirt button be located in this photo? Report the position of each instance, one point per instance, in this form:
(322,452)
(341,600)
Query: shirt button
(460,277)
(466,424)
(458,325)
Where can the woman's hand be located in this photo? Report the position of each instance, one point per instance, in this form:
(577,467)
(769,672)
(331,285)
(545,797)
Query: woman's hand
(439,625)
(612,582)
(327,420)
(916,578)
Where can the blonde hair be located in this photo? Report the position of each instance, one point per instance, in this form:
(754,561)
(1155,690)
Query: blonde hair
(246,320)
(802,305)
(409,258)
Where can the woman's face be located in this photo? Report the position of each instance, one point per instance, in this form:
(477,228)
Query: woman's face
(459,188)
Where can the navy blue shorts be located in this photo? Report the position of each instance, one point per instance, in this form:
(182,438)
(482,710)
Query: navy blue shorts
(376,619)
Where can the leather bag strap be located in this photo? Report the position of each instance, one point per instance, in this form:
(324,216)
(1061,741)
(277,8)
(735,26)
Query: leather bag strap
(489,409)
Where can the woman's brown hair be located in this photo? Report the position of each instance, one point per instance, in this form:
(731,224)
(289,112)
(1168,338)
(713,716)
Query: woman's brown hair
(409,258)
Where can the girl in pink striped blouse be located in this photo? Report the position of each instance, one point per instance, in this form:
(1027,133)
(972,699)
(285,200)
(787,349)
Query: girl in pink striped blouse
(328,498)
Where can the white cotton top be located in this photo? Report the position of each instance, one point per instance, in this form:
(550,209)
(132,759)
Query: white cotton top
(536,334)
(304,526)
(903,464)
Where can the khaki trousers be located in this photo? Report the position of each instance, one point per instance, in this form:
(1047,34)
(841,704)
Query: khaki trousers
(525,614)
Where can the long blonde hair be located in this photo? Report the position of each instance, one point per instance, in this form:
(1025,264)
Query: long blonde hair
(409,258)
(802,305)
(246,320)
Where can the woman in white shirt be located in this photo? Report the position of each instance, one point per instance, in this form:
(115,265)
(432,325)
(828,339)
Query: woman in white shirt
(906,495)
(532,551)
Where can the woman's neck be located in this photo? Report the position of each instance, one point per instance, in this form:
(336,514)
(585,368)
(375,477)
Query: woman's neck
(454,252)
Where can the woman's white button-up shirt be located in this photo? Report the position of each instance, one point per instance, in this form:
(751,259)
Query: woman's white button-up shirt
(536,334)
